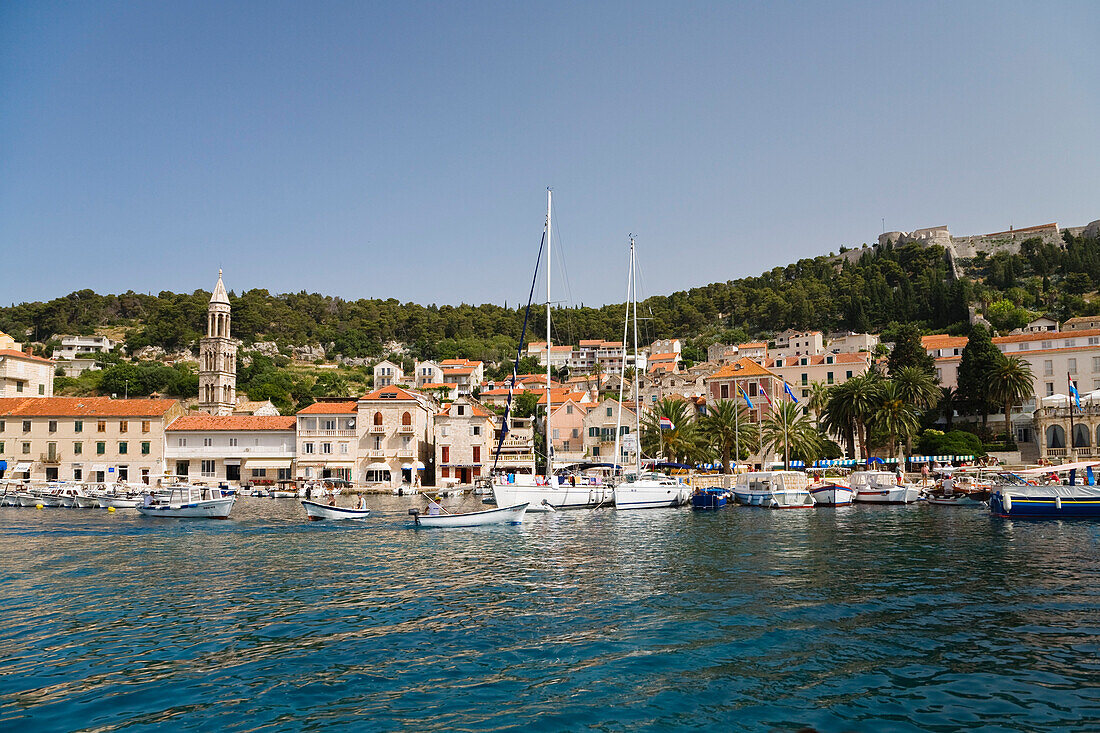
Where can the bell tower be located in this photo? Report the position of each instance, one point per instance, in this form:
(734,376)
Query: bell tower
(218,357)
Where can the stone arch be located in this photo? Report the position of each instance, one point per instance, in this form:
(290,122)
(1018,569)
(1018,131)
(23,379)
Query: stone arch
(407,419)
(1081,435)
(1056,437)
(378,418)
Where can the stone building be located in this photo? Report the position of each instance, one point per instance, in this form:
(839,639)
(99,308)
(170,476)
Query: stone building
(22,374)
(387,373)
(464,433)
(218,357)
(95,439)
(234,449)
(395,437)
(599,429)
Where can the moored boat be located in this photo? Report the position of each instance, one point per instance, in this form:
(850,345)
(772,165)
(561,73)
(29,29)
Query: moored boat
(773,489)
(188,502)
(881,487)
(317,511)
(502,515)
(1017,498)
(831,492)
(712,497)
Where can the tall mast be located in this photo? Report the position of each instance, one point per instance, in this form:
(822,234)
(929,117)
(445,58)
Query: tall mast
(637,408)
(622,370)
(549,268)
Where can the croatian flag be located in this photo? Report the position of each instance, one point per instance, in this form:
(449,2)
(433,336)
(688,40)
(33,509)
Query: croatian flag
(790,393)
(747,401)
(666,424)
(1073,391)
(765,394)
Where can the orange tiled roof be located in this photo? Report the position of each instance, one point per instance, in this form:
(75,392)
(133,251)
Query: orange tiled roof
(330,408)
(13,354)
(590,342)
(818,360)
(1046,336)
(559,396)
(90,407)
(398,392)
(439,385)
(753,345)
(742,368)
(234,422)
(943,341)
(672,355)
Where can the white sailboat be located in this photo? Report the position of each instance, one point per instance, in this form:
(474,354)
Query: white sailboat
(549,490)
(641,490)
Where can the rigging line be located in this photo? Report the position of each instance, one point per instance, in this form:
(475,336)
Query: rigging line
(564,273)
(519,354)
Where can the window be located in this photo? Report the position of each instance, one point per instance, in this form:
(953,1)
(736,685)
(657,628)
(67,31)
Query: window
(475,430)
(284,474)
(848,374)
(145,425)
(207,442)
(183,468)
(1050,388)
(123,426)
(407,419)
(828,377)
(805,379)
(78,449)
(78,473)
(477,454)
(443,431)
(446,454)
(378,418)
(557,434)
(100,448)
(610,411)
(101,426)
(181,442)
(1046,344)
(1096,363)
(460,410)
(595,451)
(1070,343)
(724,391)
(53,426)
(208,468)
(259,473)
(41,389)
(307,447)
(26,447)
(123,473)
(378,442)
(1094,340)
(1071,365)
(309,423)
(3,424)
(26,426)
(19,386)
(326,447)
(575,434)
(593,432)
(1021,346)
(78,426)
(328,424)
(1048,368)
(145,447)
(344,448)
(752,389)
(122,448)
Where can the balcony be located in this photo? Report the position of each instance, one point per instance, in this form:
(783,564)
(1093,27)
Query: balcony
(50,458)
(1056,452)
(409,452)
(327,433)
(405,430)
(376,453)
(377,430)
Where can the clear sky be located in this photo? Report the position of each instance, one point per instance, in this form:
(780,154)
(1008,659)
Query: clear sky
(403,149)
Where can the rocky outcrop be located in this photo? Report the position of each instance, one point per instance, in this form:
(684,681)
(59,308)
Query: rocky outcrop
(308,352)
(266,348)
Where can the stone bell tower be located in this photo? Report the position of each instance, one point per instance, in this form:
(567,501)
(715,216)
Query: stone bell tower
(218,357)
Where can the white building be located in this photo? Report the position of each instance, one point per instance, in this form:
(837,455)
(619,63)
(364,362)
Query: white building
(21,374)
(427,372)
(848,342)
(83,347)
(792,343)
(327,440)
(235,449)
(464,433)
(386,373)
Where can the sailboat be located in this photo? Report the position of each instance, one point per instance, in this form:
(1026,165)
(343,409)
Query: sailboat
(549,490)
(641,490)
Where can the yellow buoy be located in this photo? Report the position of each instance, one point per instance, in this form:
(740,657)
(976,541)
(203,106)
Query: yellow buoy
(110,509)
(37,506)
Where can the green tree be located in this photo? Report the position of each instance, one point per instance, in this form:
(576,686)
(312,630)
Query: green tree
(979,359)
(908,351)
(1010,384)
(525,404)
(684,442)
(789,431)
(895,417)
(817,400)
(728,428)
(853,403)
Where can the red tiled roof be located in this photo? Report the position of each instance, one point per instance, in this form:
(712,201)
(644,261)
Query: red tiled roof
(664,357)
(1046,336)
(90,407)
(742,368)
(13,354)
(439,385)
(753,345)
(397,392)
(943,341)
(330,408)
(818,360)
(234,422)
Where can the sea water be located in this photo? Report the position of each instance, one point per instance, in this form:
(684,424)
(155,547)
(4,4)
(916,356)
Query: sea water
(863,618)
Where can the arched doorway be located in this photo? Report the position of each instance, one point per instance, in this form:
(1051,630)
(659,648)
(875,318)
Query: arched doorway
(1081,435)
(1056,437)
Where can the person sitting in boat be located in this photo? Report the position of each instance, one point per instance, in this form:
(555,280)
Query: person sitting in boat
(948,485)
(148,500)
(332,499)
(362,503)
(433,508)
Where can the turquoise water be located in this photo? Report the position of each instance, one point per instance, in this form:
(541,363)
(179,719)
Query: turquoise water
(859,618)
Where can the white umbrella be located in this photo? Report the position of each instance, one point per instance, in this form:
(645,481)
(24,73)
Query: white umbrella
(1055,400)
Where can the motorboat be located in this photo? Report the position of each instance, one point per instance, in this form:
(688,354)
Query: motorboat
(1021,496)
(954,500)
(650,490)
(831,492)
(557,491)
(186,501)
(317,511)
(773,489)
(501,515)
(711,497)
(881,487)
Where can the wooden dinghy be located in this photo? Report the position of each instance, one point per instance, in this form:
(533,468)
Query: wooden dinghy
(502,515)
(317,511)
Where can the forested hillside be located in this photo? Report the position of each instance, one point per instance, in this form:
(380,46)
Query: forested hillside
(884,286)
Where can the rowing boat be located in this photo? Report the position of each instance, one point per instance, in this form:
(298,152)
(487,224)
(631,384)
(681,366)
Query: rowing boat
(503,515)
(317,511)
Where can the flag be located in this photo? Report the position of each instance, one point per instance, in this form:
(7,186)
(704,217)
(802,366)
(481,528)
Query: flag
(765,394)
(666,424)
(1073,391)
(789,392)
(747,401)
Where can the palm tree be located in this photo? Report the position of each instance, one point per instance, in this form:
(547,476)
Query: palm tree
(789,431)
(816,401)
(838,418)
(917,387)
(683,442)
(895,416)
(857,399)
(727,427)
(948,397)
(1010,384)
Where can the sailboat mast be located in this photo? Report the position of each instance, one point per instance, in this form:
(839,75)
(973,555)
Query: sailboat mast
(637,407)
(622,377)
(549,269)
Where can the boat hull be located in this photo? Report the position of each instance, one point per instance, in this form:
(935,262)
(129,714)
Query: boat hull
(649,497)
(776,499)
(205,509)
(558,497)
(117,502)
(832,495)
(318,512)
(897,495)
(504,515)
(707,500)
(1064,505)
(958,500)
(85,502)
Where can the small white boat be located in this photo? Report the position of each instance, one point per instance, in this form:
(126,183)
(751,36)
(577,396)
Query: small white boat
(955,500)
(284,494)
(118,502)
(25,498)
(773,489)
(882,487)
(503,515)
(317,511)
(831,492)
(188,502)
(651,491)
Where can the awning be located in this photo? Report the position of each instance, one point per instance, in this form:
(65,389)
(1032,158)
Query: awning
(378,466)
(232,461)
(3,465)
(22,467)
(98,467)
(266,463)
(419,466)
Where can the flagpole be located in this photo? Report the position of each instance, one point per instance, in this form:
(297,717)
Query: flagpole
(1069,398)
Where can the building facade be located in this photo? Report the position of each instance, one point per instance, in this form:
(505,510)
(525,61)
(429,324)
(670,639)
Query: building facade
(233,449)
(218,357)
(386,373)
(327,439)
(599,428)
(396,437)
(464,433)
(25,375)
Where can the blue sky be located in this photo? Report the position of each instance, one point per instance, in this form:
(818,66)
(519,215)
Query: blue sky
(403,149)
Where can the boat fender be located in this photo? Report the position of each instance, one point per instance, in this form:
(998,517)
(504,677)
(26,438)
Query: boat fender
(37,506)
(1006,501)
(1058,503)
